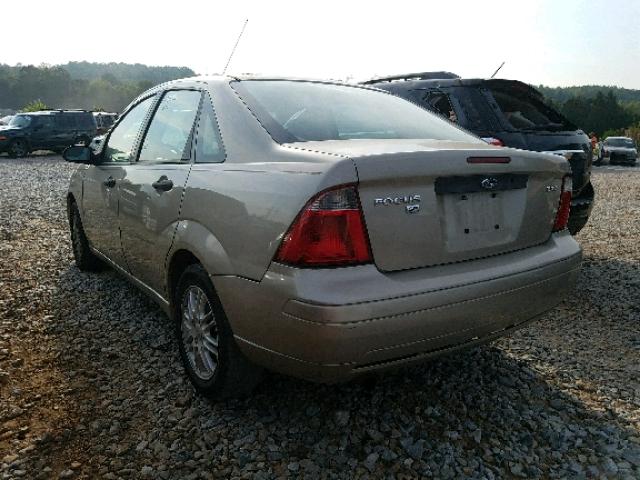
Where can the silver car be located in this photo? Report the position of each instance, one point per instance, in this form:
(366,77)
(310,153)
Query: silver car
(318,229)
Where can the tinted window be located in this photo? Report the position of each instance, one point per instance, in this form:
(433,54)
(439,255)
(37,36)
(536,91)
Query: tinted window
(43,122)
(306,111)
(85,121)
(66,121)
(20,121)
(169,136)
(440,103)
(208,143)
(124,135)
(525,112)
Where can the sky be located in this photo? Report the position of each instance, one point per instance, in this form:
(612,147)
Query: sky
(555,43)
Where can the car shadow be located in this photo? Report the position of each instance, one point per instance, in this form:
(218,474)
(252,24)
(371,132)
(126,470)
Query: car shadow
(554,399)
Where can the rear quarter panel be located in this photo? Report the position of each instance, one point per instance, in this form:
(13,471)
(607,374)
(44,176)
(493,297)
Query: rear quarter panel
(234,214)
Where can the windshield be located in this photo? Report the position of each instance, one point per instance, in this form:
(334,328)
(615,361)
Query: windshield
(294,111)
(619,142)
(525,112)
(20,121)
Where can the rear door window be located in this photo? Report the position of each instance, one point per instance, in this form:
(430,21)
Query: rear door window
(168,138)
(66,122)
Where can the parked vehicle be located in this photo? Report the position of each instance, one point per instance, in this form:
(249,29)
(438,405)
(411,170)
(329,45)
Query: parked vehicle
(293,230)
(104,120)
(46,130)
(504,112)
(619,150)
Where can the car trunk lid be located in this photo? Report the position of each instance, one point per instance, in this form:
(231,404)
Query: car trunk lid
(425,204)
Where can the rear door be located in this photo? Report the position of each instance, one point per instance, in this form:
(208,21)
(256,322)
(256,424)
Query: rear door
(152,191)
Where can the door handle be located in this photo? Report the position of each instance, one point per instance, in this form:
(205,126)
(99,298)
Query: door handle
(110,182)
(163,184)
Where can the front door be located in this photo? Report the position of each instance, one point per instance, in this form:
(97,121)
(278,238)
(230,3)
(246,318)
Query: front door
(102,184)
(151,194)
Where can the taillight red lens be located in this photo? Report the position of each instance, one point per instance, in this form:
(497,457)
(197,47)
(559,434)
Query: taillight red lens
(564,207)
(330,231)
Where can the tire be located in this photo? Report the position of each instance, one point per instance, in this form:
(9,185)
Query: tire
(214,363)
(85,259)
(19,148)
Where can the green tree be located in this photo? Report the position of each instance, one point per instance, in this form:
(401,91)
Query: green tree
(34,106)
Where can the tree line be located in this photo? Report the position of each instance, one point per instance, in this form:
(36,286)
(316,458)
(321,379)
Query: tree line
(91,86)
(602,110)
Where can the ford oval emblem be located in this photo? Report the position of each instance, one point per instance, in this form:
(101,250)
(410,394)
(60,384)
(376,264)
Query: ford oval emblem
(489,183)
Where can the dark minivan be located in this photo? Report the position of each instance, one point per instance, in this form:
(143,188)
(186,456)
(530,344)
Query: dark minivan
(504,112)
(46,130)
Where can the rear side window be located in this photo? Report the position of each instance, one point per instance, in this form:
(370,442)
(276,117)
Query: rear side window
(438,102)
(309,111)
(86,121)
(209,143)
(66,121)
(168,138)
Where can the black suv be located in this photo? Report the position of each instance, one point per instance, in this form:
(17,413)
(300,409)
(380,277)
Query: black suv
(504,112)
(46,130)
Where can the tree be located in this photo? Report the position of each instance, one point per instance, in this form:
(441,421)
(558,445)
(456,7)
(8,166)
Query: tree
(34,106)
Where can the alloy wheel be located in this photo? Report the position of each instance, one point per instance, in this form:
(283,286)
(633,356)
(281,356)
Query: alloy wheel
(199,330)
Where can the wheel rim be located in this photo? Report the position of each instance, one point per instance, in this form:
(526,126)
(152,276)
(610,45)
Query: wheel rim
(199,333)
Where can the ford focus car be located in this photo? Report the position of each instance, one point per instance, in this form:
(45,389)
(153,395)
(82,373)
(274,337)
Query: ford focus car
(317,229)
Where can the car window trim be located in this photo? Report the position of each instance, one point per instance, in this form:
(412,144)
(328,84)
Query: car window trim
(149,119)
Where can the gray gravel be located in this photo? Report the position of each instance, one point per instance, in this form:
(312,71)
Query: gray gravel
(92,387)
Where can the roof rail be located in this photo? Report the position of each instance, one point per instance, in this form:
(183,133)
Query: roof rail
(415,76)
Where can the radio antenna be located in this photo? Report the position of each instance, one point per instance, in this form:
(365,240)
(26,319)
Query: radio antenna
(494,73)
(235,46)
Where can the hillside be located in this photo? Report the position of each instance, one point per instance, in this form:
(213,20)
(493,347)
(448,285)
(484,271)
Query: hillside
(126,72)
(107,86)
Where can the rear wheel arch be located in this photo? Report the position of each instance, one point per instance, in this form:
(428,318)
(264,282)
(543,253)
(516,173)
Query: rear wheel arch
(179,262)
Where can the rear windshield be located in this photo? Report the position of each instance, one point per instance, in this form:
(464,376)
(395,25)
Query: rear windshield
(295,111)
(619,142)
(523,111)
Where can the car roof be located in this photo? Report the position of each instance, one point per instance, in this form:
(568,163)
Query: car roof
(618,138)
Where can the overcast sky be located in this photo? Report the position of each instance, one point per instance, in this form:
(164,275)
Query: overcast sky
(553,42)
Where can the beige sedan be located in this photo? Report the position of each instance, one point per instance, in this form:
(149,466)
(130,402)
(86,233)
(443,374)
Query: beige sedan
(318,229)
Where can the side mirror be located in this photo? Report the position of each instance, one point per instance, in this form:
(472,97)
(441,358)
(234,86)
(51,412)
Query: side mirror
(77,154)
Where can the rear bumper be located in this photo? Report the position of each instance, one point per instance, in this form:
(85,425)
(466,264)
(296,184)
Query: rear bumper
(330,325)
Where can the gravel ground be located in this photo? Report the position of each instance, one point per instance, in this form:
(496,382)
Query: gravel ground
(92,387)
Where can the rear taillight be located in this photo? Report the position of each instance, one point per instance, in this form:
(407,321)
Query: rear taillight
(564,207)
(329,231)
